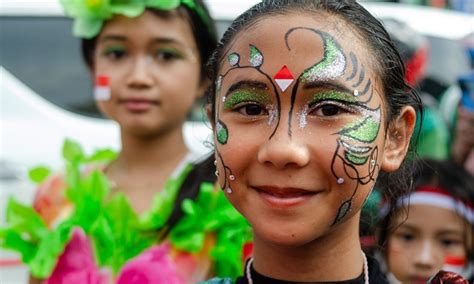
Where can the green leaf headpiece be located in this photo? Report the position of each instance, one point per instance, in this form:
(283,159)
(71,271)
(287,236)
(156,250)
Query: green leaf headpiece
(89,15)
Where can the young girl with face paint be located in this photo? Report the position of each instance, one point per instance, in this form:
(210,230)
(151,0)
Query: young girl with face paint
(309,108)
(146,58)
(432,228)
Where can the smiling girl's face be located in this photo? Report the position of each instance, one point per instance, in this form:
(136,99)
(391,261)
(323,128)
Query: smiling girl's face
(299,126)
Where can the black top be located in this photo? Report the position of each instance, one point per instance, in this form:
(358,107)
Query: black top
(375,276)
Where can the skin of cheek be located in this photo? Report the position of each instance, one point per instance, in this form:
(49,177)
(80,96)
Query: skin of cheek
(398,260)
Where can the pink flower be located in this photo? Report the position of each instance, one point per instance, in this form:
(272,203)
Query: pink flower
(153,266)
(76,264)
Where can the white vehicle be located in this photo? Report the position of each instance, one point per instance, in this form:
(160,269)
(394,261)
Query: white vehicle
(46,93)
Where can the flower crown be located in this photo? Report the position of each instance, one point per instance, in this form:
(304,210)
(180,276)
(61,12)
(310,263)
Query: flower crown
(89,15)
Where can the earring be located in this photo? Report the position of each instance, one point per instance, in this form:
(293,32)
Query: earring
(232,177)
(340,181)
(229,190)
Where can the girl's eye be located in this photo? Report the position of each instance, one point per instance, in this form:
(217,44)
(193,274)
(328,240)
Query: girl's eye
(115,53)
(326,109)
(406,237)
(167,55)
(447,243)
(251,109)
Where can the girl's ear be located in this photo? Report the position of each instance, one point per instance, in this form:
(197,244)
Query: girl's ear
(398,139)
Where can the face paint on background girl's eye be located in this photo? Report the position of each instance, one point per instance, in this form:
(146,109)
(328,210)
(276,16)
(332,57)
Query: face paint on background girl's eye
(102,88)
(114,52)
(247,96)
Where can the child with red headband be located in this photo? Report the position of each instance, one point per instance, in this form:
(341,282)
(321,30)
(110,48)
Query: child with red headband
(432,229)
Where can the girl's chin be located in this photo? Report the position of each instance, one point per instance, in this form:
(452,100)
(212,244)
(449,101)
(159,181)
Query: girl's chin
(280,236)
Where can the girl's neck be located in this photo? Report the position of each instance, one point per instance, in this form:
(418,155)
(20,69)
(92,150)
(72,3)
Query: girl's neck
(152,153)
(144,165)
(334,257)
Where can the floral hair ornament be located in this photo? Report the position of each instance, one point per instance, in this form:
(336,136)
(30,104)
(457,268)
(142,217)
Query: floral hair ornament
(89,15)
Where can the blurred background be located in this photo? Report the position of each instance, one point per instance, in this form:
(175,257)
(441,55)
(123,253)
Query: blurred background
(46,94)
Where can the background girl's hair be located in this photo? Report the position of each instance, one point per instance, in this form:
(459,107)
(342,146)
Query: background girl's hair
(204,33)
(387,64)
(447,175)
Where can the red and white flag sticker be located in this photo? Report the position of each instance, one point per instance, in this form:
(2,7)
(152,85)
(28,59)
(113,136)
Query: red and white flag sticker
(284,78)
(102,88)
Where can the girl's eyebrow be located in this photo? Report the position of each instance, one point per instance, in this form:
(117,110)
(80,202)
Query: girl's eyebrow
(247,84)
(326,85)
(157,40)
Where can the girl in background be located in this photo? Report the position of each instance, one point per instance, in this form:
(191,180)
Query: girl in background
(432,228)
(156,218)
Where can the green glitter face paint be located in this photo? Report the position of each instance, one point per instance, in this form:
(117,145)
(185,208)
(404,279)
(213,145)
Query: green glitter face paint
(333,95)
(222,133)
(241,96)
(332,65)
(256,57)
(114,51)
(234,59)
(364,130)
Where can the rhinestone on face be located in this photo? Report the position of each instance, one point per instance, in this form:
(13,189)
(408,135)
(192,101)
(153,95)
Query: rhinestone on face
(228,190)
(232,177)
(340,180)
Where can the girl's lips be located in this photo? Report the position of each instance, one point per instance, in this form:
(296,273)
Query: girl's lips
(138,105)
(284,197)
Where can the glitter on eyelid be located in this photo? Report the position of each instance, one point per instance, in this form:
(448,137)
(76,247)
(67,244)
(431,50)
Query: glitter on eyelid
(302,115)
(333,95)
(247,96)
(332,65)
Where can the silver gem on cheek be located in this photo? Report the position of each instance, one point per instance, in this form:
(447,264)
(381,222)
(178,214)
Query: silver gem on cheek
(356,93)
(340,181)
(232,177)
(229,190)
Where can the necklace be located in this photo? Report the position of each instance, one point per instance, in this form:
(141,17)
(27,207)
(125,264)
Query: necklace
(248,273)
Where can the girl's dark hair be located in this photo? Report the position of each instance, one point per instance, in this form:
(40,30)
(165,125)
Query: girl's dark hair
(204,33)
(446,175)
(202,172)
(387,64)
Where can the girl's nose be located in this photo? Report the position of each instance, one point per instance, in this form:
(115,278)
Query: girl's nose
(140,74)
(283,151)
(427,257)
